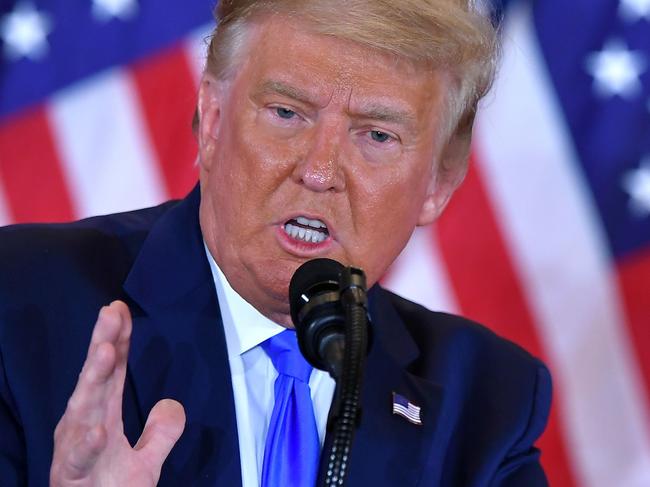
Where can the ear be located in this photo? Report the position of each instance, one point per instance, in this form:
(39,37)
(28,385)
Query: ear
(209,107)
(449,172)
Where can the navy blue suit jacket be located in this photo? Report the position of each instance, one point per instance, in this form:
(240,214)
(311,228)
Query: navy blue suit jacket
(484,401)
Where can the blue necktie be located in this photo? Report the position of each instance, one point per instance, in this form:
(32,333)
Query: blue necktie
(292,447)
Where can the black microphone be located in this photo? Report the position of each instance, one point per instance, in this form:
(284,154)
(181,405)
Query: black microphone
(329,310)
(317,314)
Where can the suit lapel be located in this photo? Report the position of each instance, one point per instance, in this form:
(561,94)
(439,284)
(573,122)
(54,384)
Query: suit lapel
(388,449)
(178,349)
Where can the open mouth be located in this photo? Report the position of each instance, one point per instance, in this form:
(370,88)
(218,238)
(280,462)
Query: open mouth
(306,230)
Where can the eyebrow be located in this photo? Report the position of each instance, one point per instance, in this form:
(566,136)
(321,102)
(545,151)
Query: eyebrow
(385,113)
(278,87)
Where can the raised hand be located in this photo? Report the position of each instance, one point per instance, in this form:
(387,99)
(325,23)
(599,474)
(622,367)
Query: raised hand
(90,448)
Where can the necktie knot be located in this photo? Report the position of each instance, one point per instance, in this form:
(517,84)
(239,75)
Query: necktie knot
(285,354)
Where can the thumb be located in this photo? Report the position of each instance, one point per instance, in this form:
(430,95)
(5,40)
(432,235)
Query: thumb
(164,427)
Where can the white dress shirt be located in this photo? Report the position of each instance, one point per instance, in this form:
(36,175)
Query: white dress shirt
(253,376)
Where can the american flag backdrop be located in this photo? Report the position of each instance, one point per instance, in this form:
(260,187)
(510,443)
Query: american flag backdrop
(547,242)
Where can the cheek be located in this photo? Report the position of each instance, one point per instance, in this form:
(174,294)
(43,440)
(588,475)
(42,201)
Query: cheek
(245,180)
(250,166)
(261,149)
(386,210)
(391,194)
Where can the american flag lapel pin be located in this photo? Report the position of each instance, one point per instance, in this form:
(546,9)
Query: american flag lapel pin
(406,409)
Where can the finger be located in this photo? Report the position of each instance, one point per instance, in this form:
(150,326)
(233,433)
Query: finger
(164,427)
(108,325)
(87,403)
(83,455)
(91,398)
(113,328)
(123,339)
(120,312)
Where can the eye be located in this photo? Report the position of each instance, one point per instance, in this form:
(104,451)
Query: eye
(285,113)
(379,136)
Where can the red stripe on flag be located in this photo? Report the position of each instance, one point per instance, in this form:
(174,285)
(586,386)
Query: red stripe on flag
(30,170)
(167,92)
(634,279)
(489,291)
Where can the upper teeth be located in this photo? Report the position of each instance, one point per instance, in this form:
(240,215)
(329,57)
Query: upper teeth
(300,233)
(310,223)
(316,233)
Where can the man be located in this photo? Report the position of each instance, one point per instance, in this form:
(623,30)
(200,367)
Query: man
(325,129)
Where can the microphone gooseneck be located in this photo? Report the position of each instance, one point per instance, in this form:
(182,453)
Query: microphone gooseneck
(329,310)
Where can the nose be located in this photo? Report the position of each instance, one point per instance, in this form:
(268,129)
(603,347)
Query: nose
(320,168)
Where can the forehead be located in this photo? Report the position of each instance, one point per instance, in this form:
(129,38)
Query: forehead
(283,51)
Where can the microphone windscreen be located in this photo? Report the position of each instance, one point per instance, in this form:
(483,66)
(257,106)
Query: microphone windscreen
(310,277)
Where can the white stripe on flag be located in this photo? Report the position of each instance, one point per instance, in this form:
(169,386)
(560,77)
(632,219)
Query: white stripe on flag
(420,275)
(195,48)
(550,226)
(4,212)
(407,413)
(104,147)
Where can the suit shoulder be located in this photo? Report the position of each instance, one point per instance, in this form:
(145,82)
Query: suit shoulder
(19,239)
(39,255)
(469,350)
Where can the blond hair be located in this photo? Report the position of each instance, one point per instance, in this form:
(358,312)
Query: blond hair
(451,35)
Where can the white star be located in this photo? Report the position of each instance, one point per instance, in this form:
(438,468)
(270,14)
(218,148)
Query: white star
(106,10)
(633,10)
(616,70)
(24,32)
(636,183)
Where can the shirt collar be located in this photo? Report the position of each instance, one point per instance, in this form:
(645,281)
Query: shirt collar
(244,326)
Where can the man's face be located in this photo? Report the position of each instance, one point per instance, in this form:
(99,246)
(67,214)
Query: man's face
(318,147)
